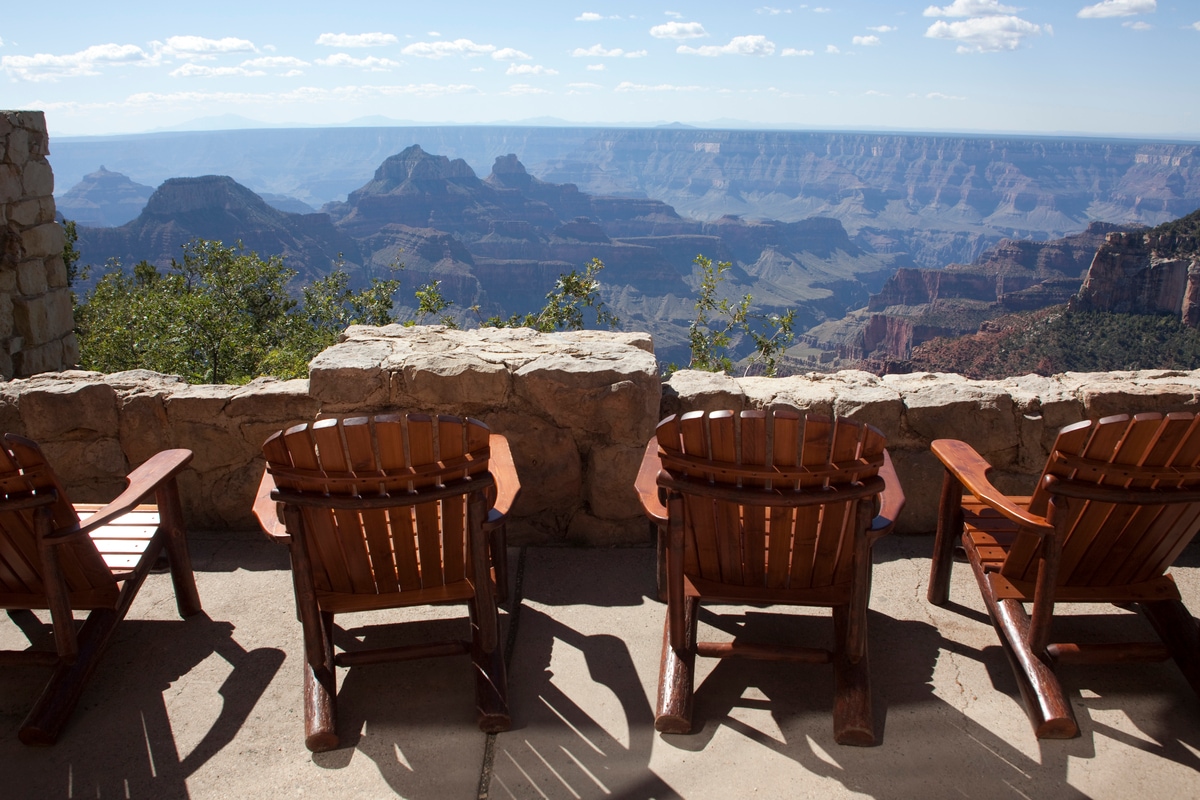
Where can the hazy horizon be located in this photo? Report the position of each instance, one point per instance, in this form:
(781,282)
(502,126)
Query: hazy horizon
(1114,68)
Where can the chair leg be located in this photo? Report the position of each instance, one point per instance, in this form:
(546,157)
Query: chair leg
(853,718)
(66,684)
(170,512)
(1180,633)
(491,681)
(1045,701)
(949,529)
(677,674)
(320,694)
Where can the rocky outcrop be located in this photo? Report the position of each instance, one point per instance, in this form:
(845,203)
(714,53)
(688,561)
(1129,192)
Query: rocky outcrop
(37,329)
(1144,273)
(104,199)
(217,207)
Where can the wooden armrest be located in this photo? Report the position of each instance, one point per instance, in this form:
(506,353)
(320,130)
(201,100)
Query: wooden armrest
(266,511)
(504,472)
(646,484)
(971,470)
(891,502)
(143,481)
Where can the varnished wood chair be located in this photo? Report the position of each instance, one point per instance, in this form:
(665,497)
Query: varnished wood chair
(1117,502)
(389,511)
(768,508)
(63,558)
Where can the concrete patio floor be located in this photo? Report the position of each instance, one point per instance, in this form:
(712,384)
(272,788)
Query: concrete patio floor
(211,707)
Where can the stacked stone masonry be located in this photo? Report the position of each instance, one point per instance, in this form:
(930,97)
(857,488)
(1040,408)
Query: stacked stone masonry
(577,409)
(37,331)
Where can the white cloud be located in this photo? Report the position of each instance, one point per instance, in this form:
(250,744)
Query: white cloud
(275,62)
(1196,25)
(200,47)
(583,86)
(525,88)
(510,54)
(832,49)
(304,94)
(820,10)
(866,41)
(1138,26)
(598,51)
(47,67)
(371,63)
(674,14)
(1117,8)
(772,11)
(529,69)
(881,28)
(876,93)
(791,51)
(941,96)
(596,68)
(626,86)
(194,70)
(970,8)
(678,30)
(357,39)
(459,47)
(738,46)
(589,16)
(984,34)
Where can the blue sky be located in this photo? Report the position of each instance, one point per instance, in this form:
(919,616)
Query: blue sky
(1107,68)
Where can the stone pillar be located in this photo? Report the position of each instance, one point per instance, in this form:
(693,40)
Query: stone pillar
(37,330)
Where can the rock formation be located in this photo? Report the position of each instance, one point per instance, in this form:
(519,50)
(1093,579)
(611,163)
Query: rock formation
(104,199)
(1154,272)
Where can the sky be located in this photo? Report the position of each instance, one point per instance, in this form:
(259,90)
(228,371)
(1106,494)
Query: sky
(1074,67)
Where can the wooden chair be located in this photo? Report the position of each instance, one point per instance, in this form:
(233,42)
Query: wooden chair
(768,508)
(65,558)
(1118,501)
(384,512)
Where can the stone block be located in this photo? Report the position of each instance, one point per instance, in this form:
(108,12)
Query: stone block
(18,146)
(951,407)
(57,407)
(32,360)
(547,461)
(6,317)
(611,471)
(614,394)
(10,184)
(26,213)
(31,277)
(458,382)
(43,241)
(349,376)
(144,428)
(695,390)
(37,179)
(56,272)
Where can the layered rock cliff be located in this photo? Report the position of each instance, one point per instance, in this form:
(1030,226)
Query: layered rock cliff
(1154,272)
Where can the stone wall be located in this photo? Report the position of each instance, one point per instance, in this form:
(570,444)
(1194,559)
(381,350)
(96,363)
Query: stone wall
(37,331)
(1011,422)
(577,408)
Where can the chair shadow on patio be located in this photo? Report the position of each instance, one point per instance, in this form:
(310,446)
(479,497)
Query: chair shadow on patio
(134,746)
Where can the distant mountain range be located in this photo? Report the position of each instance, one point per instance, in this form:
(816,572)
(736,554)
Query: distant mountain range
(937,198)
(499,243)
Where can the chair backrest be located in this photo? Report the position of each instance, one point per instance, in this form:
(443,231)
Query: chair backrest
(1114,540)
(770,498)
(384,498)
(25,474)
